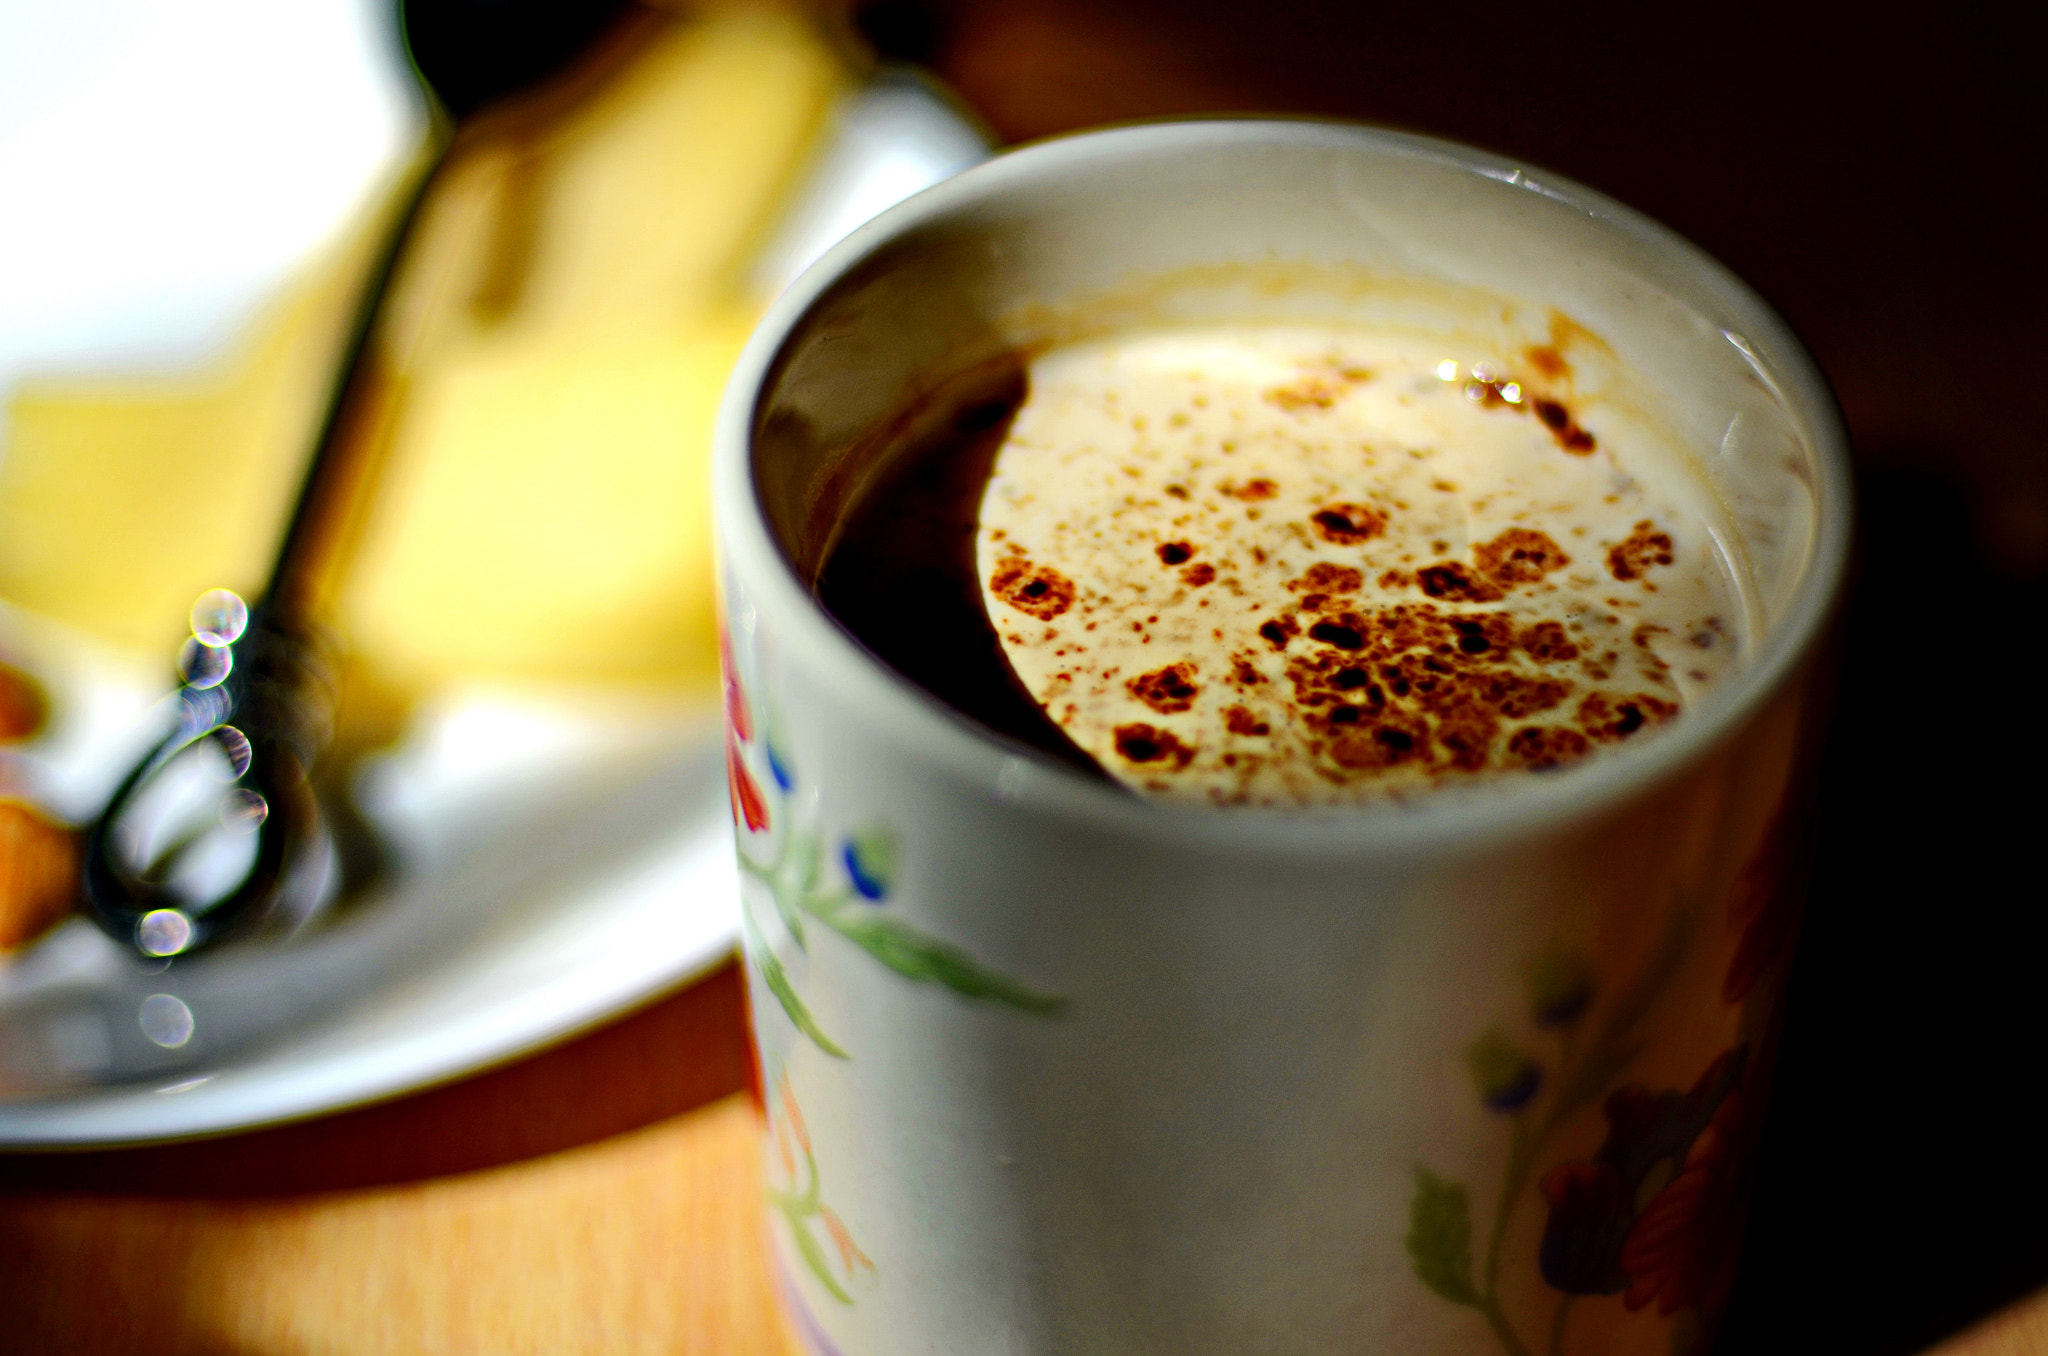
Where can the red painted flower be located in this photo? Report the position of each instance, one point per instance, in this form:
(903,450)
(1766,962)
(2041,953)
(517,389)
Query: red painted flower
(736,714)
(1597,1242)
(1764,908)
(747,806)
(795,1113)
(1680,1240)
(1589,1218)
(849,1251)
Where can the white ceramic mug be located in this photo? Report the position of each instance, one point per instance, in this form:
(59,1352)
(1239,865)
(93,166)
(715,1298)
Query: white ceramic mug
(1051,1069)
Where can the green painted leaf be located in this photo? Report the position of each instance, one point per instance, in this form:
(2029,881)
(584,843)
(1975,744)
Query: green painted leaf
(915,956)
(1440,1238)
(777,980)
(814,1256)
(779,985)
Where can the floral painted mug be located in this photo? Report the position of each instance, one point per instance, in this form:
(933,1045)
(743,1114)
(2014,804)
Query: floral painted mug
(1052,1069)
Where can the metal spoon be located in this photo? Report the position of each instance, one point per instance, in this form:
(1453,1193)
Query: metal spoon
(173,864)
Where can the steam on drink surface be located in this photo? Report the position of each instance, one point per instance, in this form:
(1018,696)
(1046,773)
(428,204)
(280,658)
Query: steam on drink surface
(1308,566)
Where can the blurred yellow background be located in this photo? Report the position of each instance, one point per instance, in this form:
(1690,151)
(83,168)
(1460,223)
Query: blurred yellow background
(561,333)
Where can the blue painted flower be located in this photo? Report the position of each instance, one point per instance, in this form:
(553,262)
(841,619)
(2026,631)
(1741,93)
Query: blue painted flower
(870,860)
(778,766)
(1507,1078)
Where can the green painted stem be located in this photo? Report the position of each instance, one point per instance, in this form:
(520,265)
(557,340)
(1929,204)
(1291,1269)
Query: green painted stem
(824,905)
(1498,1321)
(1578,1082)
(1521,1155)
(1557,1322)
(797,1210)
(804,1202)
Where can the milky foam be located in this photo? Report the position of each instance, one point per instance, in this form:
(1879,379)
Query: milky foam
(1313,566)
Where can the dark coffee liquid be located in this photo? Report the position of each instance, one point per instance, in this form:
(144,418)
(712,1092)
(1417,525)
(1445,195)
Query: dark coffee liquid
(900,571)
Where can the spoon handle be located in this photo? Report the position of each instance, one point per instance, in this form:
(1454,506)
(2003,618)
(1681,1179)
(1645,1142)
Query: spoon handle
(337,475)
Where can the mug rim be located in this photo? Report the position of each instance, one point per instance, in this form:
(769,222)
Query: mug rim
(1485,812)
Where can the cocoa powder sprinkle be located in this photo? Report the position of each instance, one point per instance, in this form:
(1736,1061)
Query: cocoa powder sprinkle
(1378,597)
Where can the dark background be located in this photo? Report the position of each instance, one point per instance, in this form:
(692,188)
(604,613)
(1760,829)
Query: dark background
(1870,172)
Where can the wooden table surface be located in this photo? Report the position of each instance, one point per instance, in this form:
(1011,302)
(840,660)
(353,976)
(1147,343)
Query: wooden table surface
(597,1197)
